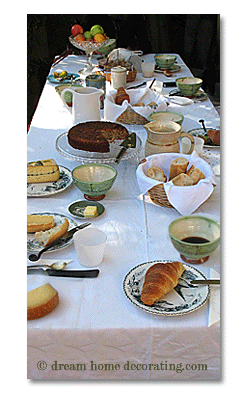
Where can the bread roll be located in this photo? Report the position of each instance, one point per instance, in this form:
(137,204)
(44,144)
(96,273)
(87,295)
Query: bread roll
(121,96)
(196,175)
(53,234)
(160,279)
(214,136)
(36,223)
(182,180)
(178,166)
(156,173)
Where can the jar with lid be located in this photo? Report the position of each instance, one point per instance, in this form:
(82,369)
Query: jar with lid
(118,77)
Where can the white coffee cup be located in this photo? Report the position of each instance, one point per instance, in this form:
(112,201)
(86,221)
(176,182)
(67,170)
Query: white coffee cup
(89,245)
(148,69)
(198,146)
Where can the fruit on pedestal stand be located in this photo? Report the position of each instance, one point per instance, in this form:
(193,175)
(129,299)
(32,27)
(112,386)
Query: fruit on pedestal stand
(88,35)
(96,29)
(76,29)
(79,37)
(99,38)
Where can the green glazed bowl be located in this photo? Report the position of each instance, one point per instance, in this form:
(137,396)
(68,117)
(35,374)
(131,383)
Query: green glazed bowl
(166,116)
(94,180)
(188,86)
(68,95)
(111,44)
(164,61)
(195,227)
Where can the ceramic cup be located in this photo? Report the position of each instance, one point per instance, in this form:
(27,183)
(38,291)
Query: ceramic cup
(89,245)
(198,145)
(147,69)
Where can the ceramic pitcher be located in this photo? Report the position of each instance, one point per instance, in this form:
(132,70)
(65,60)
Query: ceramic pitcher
(85,104)
(165,137)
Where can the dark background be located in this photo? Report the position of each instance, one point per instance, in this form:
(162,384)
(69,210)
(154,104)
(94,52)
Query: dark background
(195,37)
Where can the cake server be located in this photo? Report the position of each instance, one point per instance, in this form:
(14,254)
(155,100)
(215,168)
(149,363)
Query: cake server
(63,239)
(63,273)
(129,142)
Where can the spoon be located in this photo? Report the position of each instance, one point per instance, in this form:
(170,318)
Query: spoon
(58,265)
(203,125)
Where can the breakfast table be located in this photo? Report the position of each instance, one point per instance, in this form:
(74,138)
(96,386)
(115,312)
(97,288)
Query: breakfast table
(95,332)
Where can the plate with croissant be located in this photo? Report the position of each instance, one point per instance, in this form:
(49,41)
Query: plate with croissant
(164,287)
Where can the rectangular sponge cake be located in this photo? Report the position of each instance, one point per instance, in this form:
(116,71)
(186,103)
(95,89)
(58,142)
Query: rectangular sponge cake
(42,171)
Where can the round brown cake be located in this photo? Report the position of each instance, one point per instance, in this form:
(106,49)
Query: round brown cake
(96,136)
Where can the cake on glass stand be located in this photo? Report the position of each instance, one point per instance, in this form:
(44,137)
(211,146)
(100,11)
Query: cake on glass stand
(88,47)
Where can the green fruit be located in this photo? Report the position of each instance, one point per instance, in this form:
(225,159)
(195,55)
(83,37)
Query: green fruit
(63,74)
(88,35)
(96,29)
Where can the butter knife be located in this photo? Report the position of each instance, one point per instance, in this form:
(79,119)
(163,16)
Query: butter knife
(205,282)
(63,273)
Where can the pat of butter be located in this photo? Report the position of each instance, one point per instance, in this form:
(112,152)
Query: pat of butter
(90,211)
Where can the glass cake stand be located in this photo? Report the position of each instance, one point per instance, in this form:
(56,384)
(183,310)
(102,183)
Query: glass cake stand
(88,47)
(73,154)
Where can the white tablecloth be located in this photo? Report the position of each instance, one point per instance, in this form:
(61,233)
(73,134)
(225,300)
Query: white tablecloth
(95,324)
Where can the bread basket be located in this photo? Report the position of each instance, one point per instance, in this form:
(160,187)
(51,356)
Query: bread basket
(158,196)
(129,116)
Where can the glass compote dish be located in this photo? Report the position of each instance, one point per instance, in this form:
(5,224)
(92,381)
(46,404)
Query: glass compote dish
(88,47)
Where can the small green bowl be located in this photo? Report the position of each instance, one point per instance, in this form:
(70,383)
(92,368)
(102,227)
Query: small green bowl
(188,86)
(196,228)
(166,116)
(165,61)
(94,180)
(111,44)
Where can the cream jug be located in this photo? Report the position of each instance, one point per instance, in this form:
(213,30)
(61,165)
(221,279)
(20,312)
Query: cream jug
(85,104)
(165,137)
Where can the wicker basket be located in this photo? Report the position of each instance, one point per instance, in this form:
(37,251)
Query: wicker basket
(129,116)
(158,196)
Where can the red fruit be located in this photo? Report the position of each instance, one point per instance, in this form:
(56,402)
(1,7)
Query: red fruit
(79,37)
(76,29)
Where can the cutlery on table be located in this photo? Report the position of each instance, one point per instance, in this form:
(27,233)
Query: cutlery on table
(92,273)
(63,239)
(57,265)
(137,86)
(205,282)
(203,126)
(129,142)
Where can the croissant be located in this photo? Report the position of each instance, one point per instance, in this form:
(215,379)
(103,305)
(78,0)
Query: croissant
(121,96)
(214,136)
(160,279)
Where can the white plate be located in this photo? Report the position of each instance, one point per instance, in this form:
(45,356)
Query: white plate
(197,132)
(34,246)
(184,298)
(71,153)
(50,188)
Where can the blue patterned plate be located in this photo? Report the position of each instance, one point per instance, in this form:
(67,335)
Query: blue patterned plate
(40,189)
(67,80)
(184,298)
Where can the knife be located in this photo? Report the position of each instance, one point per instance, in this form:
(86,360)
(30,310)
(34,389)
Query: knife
(63,239)
(137,86)
(129,142)
(64,273)
(205,282)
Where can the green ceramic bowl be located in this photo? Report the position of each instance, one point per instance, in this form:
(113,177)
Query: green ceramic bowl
(166,116)
(94,180)
(111,44)
(195,228)
(188,86)
(68,95)
(165,61)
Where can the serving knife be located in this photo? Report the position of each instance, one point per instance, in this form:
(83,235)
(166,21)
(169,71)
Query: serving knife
(63,273)
(63,239)
(129,142)
(205,282)
(136,86)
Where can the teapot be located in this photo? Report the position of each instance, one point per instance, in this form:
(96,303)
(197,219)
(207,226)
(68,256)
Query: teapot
(85,103)
(165,137)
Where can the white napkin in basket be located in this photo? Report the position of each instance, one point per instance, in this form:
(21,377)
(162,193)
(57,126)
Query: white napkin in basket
(214,301)
(145,95)
(184,199)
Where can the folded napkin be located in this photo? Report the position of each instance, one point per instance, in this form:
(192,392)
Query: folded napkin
(214,301)
(145,95)
(184,199)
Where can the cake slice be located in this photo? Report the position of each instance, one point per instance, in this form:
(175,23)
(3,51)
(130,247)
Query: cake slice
(36,223)
(41,301)
(42,171)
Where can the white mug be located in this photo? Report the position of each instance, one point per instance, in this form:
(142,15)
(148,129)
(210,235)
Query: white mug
(198,145)
(148,69)
(89,245)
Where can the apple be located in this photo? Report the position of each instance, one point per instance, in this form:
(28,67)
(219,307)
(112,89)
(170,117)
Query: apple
(96,29)
(88,35)
(76,29)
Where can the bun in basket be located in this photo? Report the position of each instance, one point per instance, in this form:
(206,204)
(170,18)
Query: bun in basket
(156,173)
(160,279)
(178,166)
(53,234)
(195,174)
(182,180)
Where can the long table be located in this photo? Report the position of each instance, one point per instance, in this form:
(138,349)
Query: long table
(96,332)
